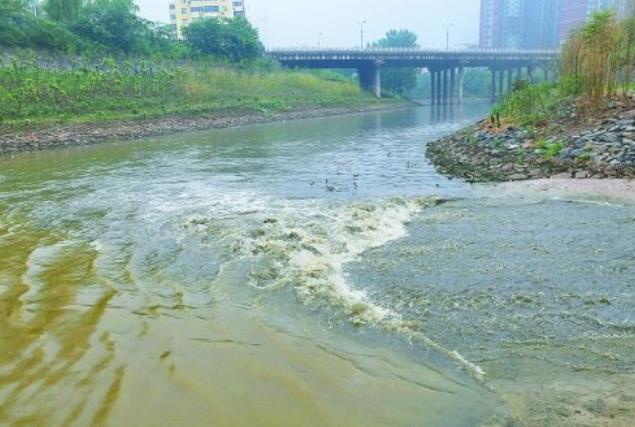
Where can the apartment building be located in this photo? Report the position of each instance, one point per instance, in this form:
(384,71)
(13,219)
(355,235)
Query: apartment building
(533,24)
(183,12)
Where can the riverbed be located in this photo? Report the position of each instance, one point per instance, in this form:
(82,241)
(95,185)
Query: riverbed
(314,272)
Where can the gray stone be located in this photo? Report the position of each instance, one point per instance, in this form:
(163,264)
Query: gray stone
(610,137)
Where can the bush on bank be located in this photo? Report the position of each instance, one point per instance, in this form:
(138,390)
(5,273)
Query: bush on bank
(30,94)
(597,64)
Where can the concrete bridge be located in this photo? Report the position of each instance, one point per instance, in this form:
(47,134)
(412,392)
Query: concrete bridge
(447,68)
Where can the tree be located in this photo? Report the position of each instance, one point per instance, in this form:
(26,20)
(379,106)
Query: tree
(12,6)
(19,27)
(234,39)
(398,81)
(63,10)
(398,38)
(115,25)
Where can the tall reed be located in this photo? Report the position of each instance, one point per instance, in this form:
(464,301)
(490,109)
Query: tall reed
(600,54)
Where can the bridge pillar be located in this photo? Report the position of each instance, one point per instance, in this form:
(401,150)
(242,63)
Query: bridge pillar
(493,71)
(510,79)
(433,89)
(445,86)
(461,84)
(501,83)
(377,81)
(452,85)
(439,86)
(519,73)
(370,78)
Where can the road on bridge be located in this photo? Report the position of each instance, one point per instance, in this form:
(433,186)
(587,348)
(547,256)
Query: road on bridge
(446,67)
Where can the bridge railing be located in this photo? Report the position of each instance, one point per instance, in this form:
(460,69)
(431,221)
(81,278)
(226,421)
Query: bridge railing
(371,50)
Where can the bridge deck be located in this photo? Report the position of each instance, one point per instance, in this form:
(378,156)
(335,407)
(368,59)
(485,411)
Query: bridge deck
(411,57)
(446,66)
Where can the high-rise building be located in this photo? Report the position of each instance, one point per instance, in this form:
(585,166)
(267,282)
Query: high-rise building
(502,24)
(533,24)
(490,24)
(540,24)
(574,13)
(184,12)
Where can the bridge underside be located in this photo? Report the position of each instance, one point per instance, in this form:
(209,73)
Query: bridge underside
(447,75)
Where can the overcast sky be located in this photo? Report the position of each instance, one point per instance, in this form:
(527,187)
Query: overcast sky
(299,22)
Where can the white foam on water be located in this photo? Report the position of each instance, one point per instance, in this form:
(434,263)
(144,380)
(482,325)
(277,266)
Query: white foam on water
(311,255)
(307,246)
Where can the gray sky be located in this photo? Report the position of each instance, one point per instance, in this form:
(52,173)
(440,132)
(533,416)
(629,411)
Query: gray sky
(298,22)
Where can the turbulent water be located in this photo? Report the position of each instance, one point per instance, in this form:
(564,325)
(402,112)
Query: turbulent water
(307,273)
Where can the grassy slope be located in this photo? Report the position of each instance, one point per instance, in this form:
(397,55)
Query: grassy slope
(33,97)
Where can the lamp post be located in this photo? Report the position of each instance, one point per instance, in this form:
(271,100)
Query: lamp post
(447,36)
(361,33)
(320,39)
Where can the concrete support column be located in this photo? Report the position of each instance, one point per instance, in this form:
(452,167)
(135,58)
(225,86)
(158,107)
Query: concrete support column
(370,78)
(452,85)
(377,81)
(445,87)
(547,76)
(439,87)
(501,83)
(510,79)
(461,84)
(519,73)
(433,87)
(530,74)
(493,71)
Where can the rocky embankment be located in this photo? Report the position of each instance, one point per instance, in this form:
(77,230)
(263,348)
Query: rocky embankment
(606,149)
(94,133)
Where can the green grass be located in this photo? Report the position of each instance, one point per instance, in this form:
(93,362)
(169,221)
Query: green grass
(34,96)
(536,104)
(549,148)
(553,150)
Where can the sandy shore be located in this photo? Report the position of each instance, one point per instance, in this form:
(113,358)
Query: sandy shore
(592,189)
(95,133)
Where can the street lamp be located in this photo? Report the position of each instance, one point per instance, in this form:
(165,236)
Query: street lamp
(447,36)
(320,39)
(361,33)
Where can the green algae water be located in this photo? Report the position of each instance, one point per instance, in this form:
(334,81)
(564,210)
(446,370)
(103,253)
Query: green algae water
(313,273)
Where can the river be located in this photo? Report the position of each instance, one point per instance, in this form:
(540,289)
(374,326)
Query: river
(314,273)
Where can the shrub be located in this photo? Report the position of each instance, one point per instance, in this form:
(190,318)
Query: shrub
(126,89)
(597,54)
(27,31)
(234,39)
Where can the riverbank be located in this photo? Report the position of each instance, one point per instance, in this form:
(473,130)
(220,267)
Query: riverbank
(67,135)
(76,104)
(599,190)
(572,145)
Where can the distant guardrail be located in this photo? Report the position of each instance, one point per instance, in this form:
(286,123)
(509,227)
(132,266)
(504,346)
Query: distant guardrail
(419,50)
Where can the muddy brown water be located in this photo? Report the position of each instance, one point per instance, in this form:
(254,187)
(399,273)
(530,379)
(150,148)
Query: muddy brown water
(316,272)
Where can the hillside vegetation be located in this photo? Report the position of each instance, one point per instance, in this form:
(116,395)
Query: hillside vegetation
(31,95)
(113,65)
